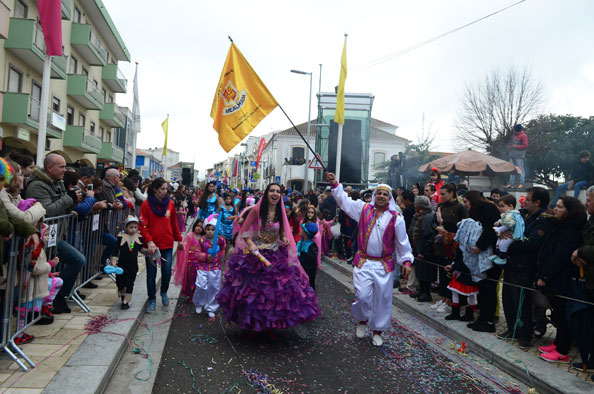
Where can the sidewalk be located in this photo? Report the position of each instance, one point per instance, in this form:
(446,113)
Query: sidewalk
(523,365)
(66,356)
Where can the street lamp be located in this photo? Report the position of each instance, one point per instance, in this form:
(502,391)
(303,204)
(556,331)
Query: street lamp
(306,176)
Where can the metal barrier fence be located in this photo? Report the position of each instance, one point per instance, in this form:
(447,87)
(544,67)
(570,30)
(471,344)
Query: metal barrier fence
(21,305)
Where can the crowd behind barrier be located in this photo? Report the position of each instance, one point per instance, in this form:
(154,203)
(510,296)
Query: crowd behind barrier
(21,305)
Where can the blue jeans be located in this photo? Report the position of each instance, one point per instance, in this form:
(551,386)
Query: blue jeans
(109,241)
(562,188)
(151,273)
(71,262)
(518,163)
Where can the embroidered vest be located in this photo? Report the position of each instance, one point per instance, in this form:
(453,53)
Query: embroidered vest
(366,223)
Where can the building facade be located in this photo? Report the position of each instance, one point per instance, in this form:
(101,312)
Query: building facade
(83,117)
(148,165)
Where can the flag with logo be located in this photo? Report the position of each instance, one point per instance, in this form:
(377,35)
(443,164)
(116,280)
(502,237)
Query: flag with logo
(240,102)
(136,104)
(165,126)
(50,16)
(339,114)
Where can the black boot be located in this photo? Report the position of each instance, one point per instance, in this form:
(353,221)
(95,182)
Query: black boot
(60,305)
(468,315)
(455,315)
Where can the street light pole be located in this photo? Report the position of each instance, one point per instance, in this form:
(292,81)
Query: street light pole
(306,174)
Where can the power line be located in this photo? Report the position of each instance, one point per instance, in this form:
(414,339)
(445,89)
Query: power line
(375,62)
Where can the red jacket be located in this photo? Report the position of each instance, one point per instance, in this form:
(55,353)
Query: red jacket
(162,230)
(520,141)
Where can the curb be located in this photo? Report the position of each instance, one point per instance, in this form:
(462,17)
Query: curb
(90,368)
(544,377)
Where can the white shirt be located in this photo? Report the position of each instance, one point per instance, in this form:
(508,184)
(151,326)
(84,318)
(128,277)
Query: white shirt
(375,243)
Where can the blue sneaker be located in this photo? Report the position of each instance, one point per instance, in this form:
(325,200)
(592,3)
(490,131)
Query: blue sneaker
(164,299)
(499,261)
(151,306)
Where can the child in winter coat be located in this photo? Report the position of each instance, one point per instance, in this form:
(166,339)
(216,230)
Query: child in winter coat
(512,221)
(125,256)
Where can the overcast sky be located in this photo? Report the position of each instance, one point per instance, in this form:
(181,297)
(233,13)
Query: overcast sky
(181,46)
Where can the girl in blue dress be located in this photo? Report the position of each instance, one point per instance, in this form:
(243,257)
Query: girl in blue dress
(228,214)
(209,201)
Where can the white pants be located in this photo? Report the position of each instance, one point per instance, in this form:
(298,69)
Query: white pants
(373,293)
(208,284)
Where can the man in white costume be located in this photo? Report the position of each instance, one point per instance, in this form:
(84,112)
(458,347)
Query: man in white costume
(381,233)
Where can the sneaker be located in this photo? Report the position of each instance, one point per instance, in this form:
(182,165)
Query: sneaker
(580,366)
(151,306)
(506,335)
(424,298)
(444,308)
(540,329)
(508,186)
(164,299)
(492,258)
(520,186)
(547,349)
(484,326)
(24,338)
(361,330)
(377,340)
(437,305)
(46,310)
(125,306)
(198,309)
(499,261)
(45,320)
(525,343)
(555,357)
(211,314)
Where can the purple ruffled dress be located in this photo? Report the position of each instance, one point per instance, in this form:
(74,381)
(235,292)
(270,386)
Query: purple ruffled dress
(259,298)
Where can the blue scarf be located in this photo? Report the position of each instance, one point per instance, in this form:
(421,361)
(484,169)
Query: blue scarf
(159,207)
(303,246)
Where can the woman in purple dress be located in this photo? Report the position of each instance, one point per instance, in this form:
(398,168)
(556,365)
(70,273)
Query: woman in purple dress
(264,286)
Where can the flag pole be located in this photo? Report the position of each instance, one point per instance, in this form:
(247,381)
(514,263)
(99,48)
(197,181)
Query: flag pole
(303,138)
(43,110)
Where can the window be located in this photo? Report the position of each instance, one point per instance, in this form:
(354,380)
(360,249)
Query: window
(101,133)
(73,65)
(82,120)
(85,71)
(92,127)
(77,15)
(15,80)
(110,98)
(298,155)
(56,104)
(108,136)
(378,158)
(35,103)
(96,83)
(69,115)
(104,94)
(20,9)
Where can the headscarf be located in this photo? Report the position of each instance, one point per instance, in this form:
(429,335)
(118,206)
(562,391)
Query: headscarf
(392,204)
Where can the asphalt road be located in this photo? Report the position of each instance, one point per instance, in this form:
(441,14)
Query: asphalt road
(323,356)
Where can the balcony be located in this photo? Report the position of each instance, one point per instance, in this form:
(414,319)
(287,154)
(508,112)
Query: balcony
(112,115)
(25,39)
(66,10)
(111,152)
(80,138)
(21,110)
(84,92)
(114,79)
(84,39)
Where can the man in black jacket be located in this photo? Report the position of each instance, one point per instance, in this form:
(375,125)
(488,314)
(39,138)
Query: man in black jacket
(521,267)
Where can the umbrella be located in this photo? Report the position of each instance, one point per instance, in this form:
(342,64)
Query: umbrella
(579,317)
(470,162)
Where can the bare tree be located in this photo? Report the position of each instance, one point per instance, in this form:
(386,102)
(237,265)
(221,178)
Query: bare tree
(490,109)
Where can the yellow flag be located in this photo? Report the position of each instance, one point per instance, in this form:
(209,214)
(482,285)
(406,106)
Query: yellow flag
(339,115)
(165,126)
(240,102)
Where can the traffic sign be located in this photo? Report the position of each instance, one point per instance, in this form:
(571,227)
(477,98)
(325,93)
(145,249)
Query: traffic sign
(316,163)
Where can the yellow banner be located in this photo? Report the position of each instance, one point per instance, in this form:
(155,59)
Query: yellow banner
(339,115)
(165,126)
(241,100)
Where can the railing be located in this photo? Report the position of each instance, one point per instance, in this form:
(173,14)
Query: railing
(94,91)
(85,233)
(94,41)
(118,114)
(120,76)
(91,139)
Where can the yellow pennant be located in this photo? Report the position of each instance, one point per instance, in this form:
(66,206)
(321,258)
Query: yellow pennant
(165,126)
(240,102)
(339,114)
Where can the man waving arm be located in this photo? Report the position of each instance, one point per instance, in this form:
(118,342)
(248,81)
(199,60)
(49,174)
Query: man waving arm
(352,208)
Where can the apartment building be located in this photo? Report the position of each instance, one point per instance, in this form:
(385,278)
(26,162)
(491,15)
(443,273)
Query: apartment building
(84,122)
